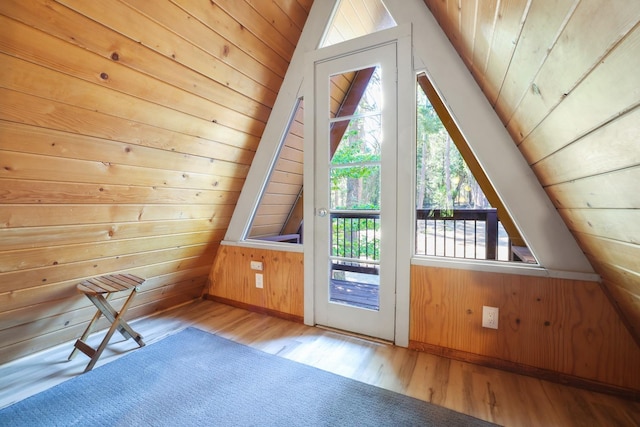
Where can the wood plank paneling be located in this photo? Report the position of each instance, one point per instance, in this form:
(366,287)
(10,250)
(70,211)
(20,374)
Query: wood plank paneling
(485,14)
(38,192)
(465,39)
(583,43)
(23,279)
(602,96)
(106,72)
(176,270)
(127,21)
(598,223)
(35,140)
(232,279)
(619,253)
(36,111)
(624,292)
(609,148)
(197,33)
(57,20)
(59,87)
(509,22)
(255,23)
(570,99)
(544,323)
(355,18)
(57,256)
(20,166)
(612,190)
(126,132)
(68,214)
(538,35)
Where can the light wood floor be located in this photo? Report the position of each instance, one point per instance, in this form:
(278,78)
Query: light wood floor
(489,394)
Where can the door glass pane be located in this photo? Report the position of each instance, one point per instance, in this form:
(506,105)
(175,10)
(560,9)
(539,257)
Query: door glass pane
(356,93)
(361,141)
(355,178)
(355,187)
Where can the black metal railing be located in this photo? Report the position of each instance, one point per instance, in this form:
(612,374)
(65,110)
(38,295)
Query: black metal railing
(355,236)
(460,233)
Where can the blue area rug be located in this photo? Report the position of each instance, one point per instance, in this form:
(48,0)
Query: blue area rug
(194,378)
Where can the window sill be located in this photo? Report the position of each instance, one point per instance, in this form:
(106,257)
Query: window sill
(261,244)
(522,269)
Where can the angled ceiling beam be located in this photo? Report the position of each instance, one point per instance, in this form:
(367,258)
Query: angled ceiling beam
(546,235)
(283,109)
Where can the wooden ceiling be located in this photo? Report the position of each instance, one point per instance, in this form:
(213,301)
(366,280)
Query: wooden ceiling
(563,77)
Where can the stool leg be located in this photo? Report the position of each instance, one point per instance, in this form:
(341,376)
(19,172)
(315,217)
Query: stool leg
(109,312)
(101,347)
(124,326)
(117,324)
(86,332)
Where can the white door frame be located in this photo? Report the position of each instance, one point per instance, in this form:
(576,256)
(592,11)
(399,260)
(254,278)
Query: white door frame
(405,164)
(378,323)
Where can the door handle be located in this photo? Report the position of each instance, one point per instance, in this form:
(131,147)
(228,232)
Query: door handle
(322,212)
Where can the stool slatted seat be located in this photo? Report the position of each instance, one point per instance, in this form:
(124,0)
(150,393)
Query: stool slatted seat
(99,290)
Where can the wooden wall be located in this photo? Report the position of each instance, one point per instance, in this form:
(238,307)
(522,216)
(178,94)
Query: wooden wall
(126,132)
(233,281)
(559,329)
(563,77)
(564,329)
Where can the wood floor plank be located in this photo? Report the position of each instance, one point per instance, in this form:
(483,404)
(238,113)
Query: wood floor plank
(493,395)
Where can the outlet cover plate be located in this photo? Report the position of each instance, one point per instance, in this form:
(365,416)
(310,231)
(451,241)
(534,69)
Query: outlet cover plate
(490,317)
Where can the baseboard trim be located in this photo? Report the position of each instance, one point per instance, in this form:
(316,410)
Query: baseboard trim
(255,308)
(531,371)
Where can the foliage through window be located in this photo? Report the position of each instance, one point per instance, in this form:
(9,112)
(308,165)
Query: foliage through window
(454,217)
(443,179)
(355,176)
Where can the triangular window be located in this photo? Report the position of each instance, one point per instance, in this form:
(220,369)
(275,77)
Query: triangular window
(356,18)
(279,214)
(458,213)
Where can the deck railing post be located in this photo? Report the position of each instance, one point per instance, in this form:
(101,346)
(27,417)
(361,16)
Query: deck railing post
(491,231)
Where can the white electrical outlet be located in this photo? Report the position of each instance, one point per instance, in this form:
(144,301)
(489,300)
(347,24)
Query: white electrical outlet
(489,317)
(256,265)
(259,283)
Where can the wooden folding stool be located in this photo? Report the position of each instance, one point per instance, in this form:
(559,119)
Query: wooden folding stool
(99,290)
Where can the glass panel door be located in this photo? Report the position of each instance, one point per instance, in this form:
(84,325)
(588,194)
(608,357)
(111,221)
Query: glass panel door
(355,191)
(355,196)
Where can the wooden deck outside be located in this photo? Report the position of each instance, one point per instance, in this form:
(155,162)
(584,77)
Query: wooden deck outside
(359,294)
